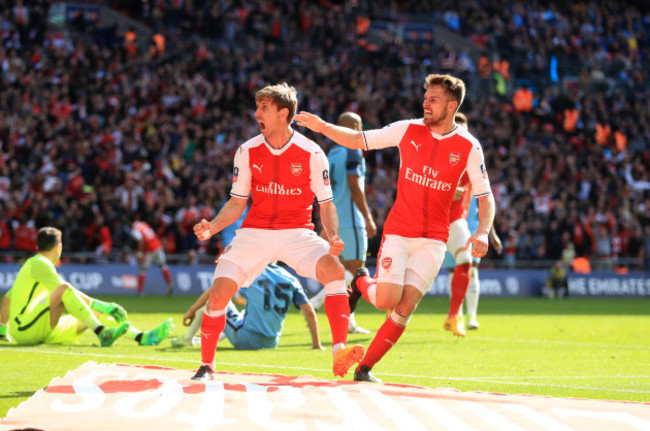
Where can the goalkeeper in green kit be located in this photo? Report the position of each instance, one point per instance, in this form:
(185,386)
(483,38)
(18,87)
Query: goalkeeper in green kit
(42,307)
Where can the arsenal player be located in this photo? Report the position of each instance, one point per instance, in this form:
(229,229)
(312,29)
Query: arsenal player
(435,152)
(282,171)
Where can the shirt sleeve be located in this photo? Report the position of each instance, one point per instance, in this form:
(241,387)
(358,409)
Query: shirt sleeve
(241,174)
(477,172)
(137,235)
(353,162)
(320,177)
(299,295)
(46,275)
(389,136)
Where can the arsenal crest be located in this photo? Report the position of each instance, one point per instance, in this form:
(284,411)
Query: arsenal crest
(386,262)
(454,158)
(296,169)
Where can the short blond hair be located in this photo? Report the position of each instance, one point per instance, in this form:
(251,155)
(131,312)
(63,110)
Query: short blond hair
(282,95)
(454,87)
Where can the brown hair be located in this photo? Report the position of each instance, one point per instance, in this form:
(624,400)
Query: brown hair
(282,95)
(47,238)
(454,87)
(461,119)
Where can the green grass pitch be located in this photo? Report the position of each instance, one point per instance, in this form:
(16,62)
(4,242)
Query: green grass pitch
(584,348)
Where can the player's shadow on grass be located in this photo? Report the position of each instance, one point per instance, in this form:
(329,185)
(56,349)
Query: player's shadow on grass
(19,394)
(152,304)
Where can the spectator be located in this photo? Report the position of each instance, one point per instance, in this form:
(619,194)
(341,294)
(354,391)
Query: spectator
(85,103)
(557,285)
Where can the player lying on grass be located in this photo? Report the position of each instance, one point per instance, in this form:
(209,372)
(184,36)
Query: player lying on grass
(34,307)
(259,325)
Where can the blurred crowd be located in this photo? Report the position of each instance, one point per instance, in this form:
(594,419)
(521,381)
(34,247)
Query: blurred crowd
(98,129)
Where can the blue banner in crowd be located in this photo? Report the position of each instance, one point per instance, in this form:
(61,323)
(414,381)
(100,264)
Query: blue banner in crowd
(610,284)
(122,279)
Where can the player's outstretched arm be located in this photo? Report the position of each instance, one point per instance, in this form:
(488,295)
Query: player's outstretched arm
(341,135)
(495,241)
(189,316)
(228,214)
(330,221)
(479,240)
(359,199)
(4,317)
(312,322)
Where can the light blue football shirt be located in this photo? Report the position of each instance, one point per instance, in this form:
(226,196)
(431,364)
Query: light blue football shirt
(472,216)
(268,300)
(344,162)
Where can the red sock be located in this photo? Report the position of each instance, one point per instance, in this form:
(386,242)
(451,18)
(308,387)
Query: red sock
(211,329)
(385,339)
(459,285)
(141,283)
(167,275)
(337,311)
(364,283)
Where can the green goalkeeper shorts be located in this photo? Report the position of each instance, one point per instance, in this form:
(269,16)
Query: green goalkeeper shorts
(34,327)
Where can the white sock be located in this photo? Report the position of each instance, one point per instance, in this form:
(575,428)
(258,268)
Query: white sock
(318,300)
(352,323)
(473,291)
(194,326)
(336,347)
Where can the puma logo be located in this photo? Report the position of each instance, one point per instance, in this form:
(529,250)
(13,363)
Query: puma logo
(417,146)
(259,168)
(389,342)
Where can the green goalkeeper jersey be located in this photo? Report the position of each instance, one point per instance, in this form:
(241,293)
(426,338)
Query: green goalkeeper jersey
(35,281)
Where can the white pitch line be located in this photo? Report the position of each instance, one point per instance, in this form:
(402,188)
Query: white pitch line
(468,379)
(102,355)
(569,343)
(589,388)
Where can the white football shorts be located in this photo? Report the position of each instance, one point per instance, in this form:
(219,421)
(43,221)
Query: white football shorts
(458,236)
(400,256)
(251,250)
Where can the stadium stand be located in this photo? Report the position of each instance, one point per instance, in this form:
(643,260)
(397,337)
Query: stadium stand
(96,122)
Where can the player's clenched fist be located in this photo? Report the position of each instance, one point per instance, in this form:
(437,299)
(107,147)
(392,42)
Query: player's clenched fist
(336,245)
(202,229)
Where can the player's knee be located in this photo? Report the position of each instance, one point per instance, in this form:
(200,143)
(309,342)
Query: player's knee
(57,294)
(386,303)
(462,257)
(222,290)
(329,268)
(406,308)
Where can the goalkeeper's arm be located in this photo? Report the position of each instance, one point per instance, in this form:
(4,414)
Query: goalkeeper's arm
(4,317)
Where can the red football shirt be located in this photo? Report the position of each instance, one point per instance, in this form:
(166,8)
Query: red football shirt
(143,232)
(282,182)
(431,166)
(460,206)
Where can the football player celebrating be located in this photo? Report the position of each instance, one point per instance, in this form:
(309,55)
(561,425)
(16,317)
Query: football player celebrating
(435,152)
(283,171)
